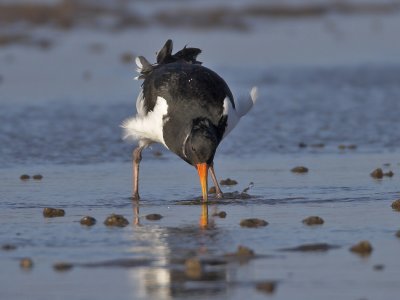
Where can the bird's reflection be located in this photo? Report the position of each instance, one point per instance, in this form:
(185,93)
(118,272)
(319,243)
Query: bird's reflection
(204,222)
(171,248)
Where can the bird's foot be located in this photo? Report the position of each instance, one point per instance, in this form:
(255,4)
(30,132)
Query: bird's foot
(135,197)
(219,195)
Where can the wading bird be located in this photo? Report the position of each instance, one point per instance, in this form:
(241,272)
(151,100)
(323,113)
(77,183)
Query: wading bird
(186,107)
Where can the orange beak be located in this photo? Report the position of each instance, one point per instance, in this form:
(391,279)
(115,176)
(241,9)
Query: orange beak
(202,169)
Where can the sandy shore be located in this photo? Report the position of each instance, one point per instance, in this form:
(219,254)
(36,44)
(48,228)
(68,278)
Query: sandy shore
(337,188)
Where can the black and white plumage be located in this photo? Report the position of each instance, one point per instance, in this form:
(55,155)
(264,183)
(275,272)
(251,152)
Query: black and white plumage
(186,107)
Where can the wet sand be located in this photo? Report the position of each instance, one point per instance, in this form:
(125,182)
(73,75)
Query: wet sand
(329,84)
(145,259)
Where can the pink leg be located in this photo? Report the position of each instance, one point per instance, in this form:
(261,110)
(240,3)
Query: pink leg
(137,157)
(214,179)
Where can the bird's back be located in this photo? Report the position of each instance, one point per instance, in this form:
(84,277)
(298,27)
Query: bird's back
(178,95)
(192,93)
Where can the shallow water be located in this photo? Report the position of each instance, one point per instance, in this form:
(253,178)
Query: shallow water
(145,259)
(332,106)
(68,131)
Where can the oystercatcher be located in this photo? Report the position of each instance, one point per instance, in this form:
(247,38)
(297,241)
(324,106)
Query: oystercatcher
(186,107)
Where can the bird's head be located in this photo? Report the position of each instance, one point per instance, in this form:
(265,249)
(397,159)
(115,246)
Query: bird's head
(200,148)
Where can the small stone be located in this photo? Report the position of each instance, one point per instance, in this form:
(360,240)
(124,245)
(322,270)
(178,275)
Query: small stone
(44,44)
(96,48)
(396,204)
(398,233)
(24,177)
(253,222)
(116,220)
(300,169)
(8,247)
(244,251)
(212,190)
(302,145)
(49,212)
(388,174)
(220,214)
(379,267)
(37,177)
(26,263)
(318,145)
(154,217)
(363,248)
(342,147)
(88,221)
(62,266)
(386,164)
(377,173)
(127,57)
(157,153)
(313,220)
(266,286)
(193,268)
(352,147)
(228,181)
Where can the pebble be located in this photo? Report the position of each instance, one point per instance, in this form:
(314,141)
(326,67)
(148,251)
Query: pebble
(62,266)
(244,251)
(49,212)
(377,173)
(8,247)
(37,177)
(154,217)
(88,221)
(299,169)
(253,222)
(24,177)
(313,220)
(220,214)
(318,145)
(266,286)
(212,190)
(396,205)
(157,153)
(388,174)
(363,248)
(228,181)
(127,57)
(26,263)
(398,233)
(116,220)
(302,145)
(379,267)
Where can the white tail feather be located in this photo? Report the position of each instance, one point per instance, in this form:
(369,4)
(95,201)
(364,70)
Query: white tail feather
(138,64)
(147,127)
(244,104)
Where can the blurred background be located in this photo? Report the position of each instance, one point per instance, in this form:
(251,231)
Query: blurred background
(328,71)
